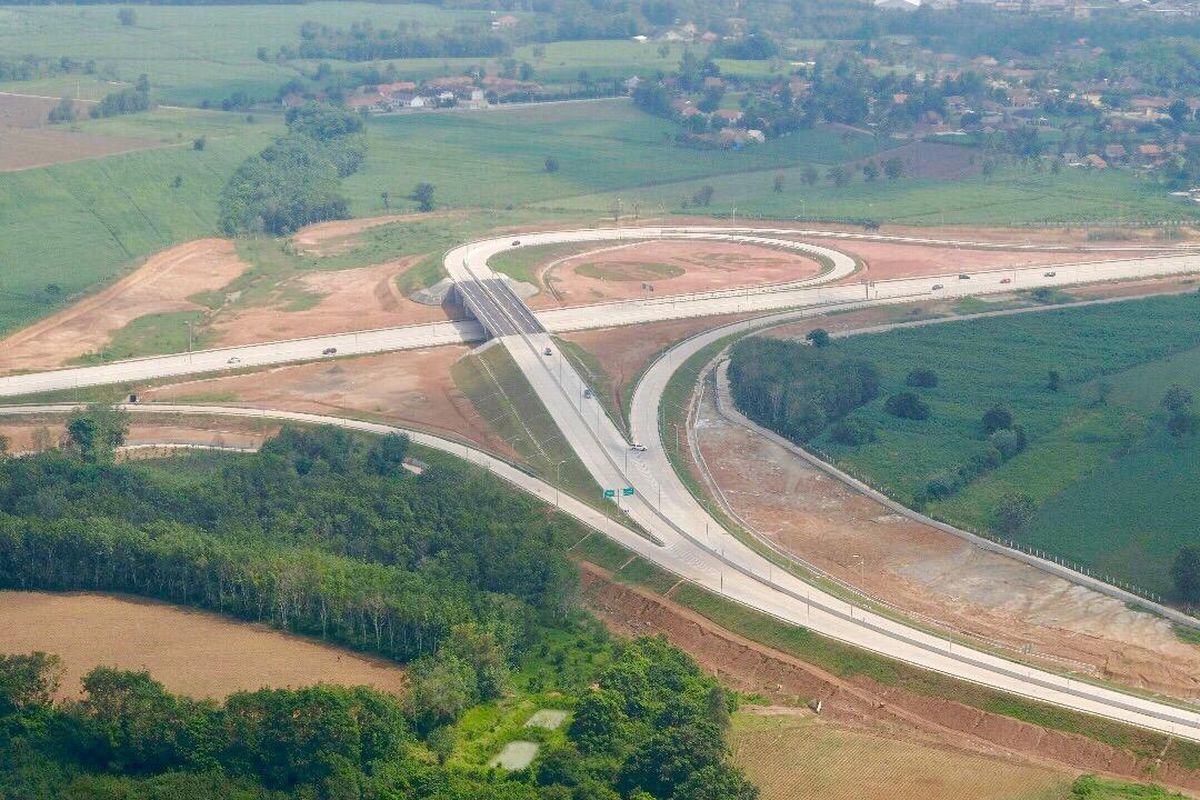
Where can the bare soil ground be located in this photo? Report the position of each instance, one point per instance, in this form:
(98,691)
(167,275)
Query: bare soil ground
(29,149)
(412,388)
(162,284)
(624,352)
(22,111)
(791,753)
(27,140)
(860,703)
(935,575)
(933,161)
(671,267)
(344,300)
(191,652)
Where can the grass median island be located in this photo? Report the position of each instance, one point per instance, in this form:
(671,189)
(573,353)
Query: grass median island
(523,263)
(493,383)
(1080,460)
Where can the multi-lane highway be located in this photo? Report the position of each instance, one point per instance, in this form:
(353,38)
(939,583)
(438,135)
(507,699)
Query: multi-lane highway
(810,292)
(686,539)
(693,544)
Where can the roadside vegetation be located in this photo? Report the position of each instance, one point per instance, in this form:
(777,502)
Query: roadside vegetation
(324,533)
(1072,431)
(849,663)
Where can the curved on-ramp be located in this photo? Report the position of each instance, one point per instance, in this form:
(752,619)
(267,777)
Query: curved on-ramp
(692,543)
(695,545)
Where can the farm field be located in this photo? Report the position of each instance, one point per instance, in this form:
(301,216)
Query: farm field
(64,229)
(191,652)
(793,755)
(1105,481)
(69,231)
(606,58)
(601,146)
(193,54)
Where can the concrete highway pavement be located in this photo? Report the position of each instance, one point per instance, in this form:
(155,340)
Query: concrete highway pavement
(254,355)
(691,543)
(811,291)
(932,287)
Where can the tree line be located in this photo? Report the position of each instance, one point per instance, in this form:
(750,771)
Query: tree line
(319,533)
(651,728)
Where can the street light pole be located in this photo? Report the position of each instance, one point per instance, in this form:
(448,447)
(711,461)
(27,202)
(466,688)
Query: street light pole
(558,480)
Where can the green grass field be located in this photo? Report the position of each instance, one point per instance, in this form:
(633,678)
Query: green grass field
(1113,492)
(81,224)
(194,53)
(1011,197)
(497,159)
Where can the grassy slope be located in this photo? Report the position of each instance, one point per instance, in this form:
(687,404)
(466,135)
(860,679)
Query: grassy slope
(80,224)
(1116,495)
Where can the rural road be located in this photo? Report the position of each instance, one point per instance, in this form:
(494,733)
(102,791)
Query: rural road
(693,544)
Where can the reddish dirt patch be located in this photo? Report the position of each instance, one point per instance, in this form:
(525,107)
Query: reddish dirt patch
(350,299)
(29,435)
(611,273)
(28,141)
(930,160)
(859,702)
(191,652)
(411,388)
(160,285)
(26,111)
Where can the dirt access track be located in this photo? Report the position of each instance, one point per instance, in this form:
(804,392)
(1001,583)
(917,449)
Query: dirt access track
(883,260)
(191,652)
(162,284)
(338,236)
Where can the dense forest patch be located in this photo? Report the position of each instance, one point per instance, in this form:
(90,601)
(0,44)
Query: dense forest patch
(325,533)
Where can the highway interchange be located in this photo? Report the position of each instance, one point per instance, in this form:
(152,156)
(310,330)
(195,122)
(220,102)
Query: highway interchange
(687,540)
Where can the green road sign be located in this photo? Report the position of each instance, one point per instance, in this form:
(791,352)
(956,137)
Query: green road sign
(627,491)
(610,492)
